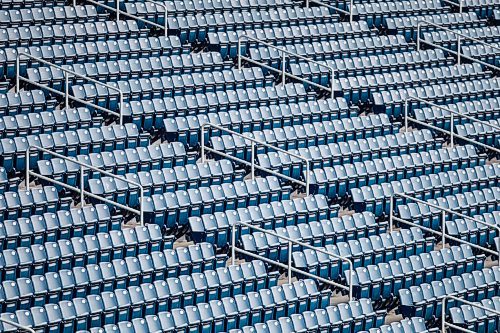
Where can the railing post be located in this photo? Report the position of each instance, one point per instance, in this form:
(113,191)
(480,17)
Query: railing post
(141,207)
(391,212)
(289,262)
(27,176)
(351,5)
(452,129)
(239,53)
(418,35)
(233,243)
(459,48)
(283,67)
(18,60)
(82,187)
(117,10)
(253,159)
(307,3)
(203,143)
(121,106)
(351,271)
(443,315)
(443,228)
(307,177)
(333,83)
(66,91)
(461,4)
(406,115)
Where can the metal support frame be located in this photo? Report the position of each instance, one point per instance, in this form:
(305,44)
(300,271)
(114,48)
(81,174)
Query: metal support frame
(350,12)
(16,325)
(460,37)
(441,233)
(460,4)
(445,325)
(451,132)
(119,12)
(66,94)
(252,165)
(283,72)
(81,190)
(289,266)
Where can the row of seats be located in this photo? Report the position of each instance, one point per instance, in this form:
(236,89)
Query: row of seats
(363,252)
(361,89)
(144,159)
(426,300)
(48,122)
(69,33)
(133,69)
(448,39)
(317,234)
(17,4)
(338,180)
(317,224)
(124,305)
(173,292)
(409,325)
(382,282)
(352,316)
(90,52)
(302,136)
(480,132)
(154,181)
(392,102)
(375,46)
(475,318)
(25,17)
(188,129)
(35,201)
(25,102)
(468,203)
(475,232)
(178,105)
(70,143)
(376,198)
(352,151)
(483,109)
(227,42)
(375,12)
(72,224)
(488,53)
(407,26)
(170,210)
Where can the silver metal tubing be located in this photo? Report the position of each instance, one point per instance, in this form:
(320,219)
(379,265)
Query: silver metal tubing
(119,12)
(350,12)
(445,325)
(81,191)
(66,93)
(443,234)
(289,266)
(252,164)
(16,325)
(459,4)
(283,73)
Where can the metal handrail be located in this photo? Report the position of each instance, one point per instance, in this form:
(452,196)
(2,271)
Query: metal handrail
(459,42)
(119,12)
(451,132)
(289,267)
(284,74)
(350,12)
(443,234)
(16,325)
(81,190)
(460,4)
(66,94)
(445,325)
(252,163)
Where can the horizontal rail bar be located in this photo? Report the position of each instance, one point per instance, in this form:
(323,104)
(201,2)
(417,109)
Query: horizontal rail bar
(16,325)
(304,245)
(445,325)
(458,4)
(255,141)
(119,12)
(66,71)
(285,52)
(81,191)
